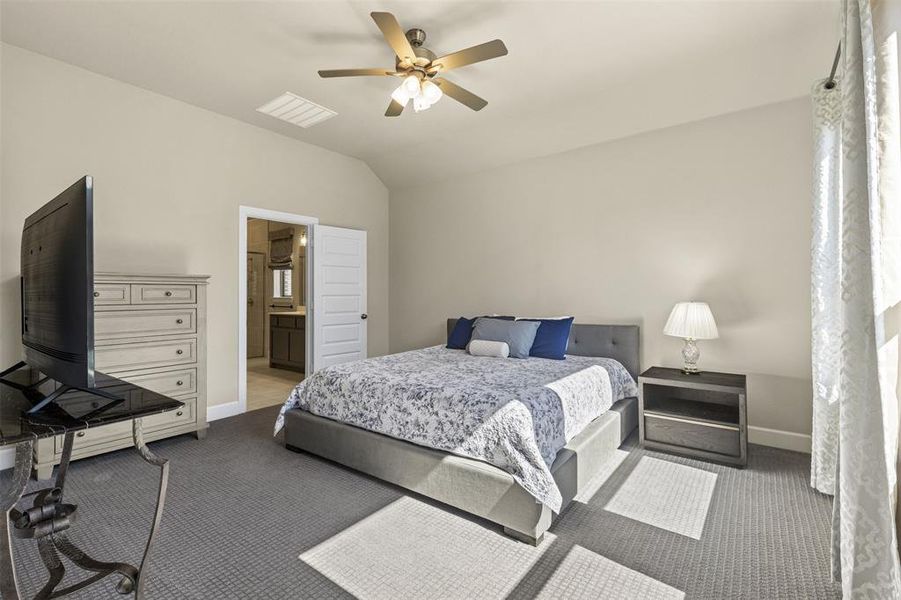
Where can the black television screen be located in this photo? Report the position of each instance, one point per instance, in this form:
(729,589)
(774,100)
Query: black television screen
(58,287)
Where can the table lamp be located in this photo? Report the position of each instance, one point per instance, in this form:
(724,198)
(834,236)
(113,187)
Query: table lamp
(691,321)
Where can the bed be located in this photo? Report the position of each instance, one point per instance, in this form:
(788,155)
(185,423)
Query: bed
(509,440)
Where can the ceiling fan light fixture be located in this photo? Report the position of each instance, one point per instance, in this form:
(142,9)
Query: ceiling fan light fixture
(400,95)
(420,104)
(411,86)
(431,92)
(416,65)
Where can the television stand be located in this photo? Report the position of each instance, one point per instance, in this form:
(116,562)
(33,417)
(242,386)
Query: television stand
(42,400)
(46,518)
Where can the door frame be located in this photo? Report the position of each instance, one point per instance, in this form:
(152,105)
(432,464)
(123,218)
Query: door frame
(245,213)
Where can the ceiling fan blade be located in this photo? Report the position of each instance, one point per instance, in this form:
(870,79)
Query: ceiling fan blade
(354,72)
(394,109)
(461,95)
(486,51)
(395,36)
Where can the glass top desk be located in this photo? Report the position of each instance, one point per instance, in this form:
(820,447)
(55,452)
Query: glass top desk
(48,518)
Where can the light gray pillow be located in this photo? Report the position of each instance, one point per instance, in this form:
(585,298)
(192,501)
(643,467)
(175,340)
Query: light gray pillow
(488,348)
(519,335)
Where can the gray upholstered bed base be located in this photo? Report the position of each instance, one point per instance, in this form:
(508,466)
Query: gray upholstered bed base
(472,485)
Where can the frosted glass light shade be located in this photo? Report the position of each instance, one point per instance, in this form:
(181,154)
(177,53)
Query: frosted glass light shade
(411,85)
(431,92)
(400,95)
(691,320)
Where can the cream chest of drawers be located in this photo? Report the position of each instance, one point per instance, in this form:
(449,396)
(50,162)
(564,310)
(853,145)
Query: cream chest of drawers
(149,330)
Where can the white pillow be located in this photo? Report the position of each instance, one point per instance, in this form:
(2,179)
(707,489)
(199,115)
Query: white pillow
(543,318)
(489,348)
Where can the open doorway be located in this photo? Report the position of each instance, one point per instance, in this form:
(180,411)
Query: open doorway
(274,345)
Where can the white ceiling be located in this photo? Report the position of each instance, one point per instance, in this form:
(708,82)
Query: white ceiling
(578,73)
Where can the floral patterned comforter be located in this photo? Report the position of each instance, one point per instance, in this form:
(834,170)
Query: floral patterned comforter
(515,414)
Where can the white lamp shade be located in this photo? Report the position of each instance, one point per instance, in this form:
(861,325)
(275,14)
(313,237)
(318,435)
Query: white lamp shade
(691,320)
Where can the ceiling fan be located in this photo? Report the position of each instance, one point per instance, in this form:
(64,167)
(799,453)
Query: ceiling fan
(421,71)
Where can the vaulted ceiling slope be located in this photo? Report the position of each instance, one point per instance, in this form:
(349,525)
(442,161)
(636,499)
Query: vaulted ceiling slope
(578,73)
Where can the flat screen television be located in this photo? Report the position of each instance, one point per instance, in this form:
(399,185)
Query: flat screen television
(58,287)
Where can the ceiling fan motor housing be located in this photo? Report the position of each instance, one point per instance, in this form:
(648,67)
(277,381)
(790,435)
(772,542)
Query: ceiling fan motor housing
(424,56)
(416,37)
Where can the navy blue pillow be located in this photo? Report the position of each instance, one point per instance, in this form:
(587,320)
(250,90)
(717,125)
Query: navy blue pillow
(552,338)
(462,332)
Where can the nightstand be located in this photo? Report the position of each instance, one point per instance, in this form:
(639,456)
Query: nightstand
(701,416)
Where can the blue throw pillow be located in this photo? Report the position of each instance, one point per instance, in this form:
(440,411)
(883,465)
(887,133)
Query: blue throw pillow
(462,332)
(552,338)
(518,335)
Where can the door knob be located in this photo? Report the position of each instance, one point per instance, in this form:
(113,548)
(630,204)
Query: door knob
(364,316)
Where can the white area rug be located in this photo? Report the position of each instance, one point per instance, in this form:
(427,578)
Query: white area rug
(410,549)
(586,574)
(666,495)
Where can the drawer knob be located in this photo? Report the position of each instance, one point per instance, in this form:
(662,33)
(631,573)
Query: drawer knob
(168,293)
(179,321)
(96,294)
(179,413)
(179,351)
(179,382)
(80,434)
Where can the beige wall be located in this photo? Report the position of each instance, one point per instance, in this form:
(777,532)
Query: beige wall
(716,210)
(169,178)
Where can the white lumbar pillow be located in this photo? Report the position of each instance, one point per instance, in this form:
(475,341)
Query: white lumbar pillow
(489,348)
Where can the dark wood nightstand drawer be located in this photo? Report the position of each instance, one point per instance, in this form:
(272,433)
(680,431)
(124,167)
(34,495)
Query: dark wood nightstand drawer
(674,431)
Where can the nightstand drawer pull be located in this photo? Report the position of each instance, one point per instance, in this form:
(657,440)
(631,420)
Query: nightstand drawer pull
(692,421)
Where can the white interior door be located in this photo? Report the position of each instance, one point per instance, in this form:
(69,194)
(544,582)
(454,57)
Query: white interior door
(339,295)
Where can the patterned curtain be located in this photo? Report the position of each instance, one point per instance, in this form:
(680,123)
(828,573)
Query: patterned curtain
(825,293)
(868,207)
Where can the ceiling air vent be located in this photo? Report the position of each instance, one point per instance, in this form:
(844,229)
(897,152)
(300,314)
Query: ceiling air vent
(296,110)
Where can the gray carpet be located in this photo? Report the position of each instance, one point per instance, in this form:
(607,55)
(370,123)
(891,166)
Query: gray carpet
(246,518)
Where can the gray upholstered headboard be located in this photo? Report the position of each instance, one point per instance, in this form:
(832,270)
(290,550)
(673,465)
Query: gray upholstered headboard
(619,342)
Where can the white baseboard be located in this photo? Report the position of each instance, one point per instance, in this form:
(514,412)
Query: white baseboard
(776,438)
(7,458)
(221,411)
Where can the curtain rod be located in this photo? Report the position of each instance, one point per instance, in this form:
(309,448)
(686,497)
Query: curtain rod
(830,83)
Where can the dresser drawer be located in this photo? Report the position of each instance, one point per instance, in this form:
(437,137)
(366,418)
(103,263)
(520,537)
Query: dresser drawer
(170,383)
(106,294)
(143,293)
(145,355)
(115,324)
(88,438)
(721,439)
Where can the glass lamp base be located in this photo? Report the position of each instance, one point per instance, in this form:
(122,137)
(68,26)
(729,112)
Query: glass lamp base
(690,356)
